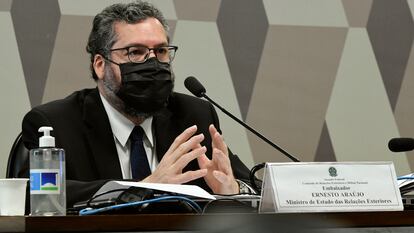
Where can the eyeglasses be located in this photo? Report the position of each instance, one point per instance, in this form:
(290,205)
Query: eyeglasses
(139,54)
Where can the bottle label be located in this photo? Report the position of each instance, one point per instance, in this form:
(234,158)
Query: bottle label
(44,181)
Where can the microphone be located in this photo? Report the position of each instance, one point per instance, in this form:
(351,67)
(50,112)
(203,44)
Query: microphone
(401,144)
(197,89)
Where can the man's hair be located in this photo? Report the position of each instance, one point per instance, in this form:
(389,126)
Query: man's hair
(103,35)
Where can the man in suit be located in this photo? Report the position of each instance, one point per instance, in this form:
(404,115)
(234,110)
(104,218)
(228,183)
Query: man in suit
(131,64)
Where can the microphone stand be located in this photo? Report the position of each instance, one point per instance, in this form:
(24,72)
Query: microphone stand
(293,158)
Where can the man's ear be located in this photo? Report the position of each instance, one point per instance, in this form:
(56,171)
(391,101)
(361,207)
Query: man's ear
(99,66)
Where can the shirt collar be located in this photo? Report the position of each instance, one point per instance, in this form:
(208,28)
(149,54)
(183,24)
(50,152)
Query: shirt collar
(122,126)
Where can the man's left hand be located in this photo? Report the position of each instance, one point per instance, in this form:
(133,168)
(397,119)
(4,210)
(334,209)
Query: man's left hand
(219,172)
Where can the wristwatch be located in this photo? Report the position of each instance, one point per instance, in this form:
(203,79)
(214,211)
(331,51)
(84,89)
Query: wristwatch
(243,187)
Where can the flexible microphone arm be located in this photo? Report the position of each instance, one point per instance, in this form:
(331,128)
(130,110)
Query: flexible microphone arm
(197,89)
(293,158)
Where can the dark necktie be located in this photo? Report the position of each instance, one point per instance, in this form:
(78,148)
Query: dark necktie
(139,162)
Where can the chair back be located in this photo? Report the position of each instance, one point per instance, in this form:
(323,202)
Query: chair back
(18,159)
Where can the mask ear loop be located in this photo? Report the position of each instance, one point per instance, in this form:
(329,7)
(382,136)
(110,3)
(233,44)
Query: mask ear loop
(110,87)
(106,58)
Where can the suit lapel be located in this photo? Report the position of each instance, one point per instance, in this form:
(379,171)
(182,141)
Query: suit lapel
(100,138)
(168,124)
(165,132)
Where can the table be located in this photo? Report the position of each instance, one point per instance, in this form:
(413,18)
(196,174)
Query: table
(193,222)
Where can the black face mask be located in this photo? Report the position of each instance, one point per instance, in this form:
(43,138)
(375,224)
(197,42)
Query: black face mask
(146,86)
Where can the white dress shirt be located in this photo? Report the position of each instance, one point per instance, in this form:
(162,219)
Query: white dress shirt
(121,129)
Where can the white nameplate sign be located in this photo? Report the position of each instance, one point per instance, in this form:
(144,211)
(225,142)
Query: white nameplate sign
(330,187)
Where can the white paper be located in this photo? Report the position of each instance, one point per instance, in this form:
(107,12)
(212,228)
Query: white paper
(189,190)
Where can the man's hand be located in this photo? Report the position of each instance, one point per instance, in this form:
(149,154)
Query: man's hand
(220,174)
(184,149)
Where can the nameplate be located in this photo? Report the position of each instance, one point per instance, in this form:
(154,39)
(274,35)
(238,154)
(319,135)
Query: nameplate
(330,187)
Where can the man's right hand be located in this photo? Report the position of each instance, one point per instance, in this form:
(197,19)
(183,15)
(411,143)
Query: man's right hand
(185,148)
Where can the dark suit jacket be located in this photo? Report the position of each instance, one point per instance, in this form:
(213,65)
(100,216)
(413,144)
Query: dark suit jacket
(82,129)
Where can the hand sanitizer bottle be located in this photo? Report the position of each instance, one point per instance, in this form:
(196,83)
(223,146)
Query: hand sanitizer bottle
(47,177)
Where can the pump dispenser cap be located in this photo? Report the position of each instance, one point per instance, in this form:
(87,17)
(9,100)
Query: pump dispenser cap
(46,140)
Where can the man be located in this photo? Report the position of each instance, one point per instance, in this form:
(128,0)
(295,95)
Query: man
(177,134)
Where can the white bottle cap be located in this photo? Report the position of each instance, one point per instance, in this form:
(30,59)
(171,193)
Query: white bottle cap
(46,140)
